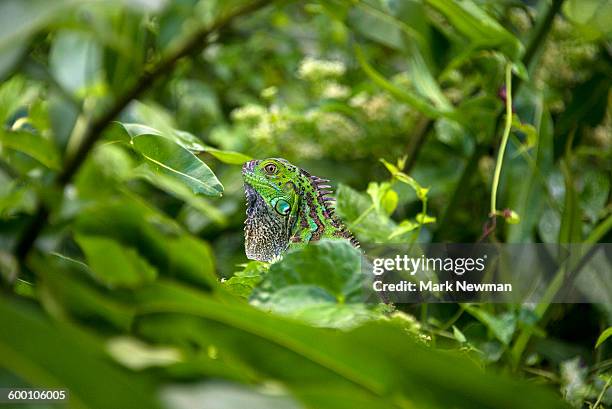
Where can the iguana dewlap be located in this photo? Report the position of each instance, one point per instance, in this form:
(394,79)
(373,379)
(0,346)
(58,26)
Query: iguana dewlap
(286,206)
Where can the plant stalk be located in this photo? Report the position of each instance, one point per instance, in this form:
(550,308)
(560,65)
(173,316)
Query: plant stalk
(504,141)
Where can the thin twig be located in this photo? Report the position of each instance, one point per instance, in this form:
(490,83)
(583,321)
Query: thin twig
(95,128)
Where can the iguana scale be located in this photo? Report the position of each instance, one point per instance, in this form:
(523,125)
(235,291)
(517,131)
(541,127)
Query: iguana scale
(286,207)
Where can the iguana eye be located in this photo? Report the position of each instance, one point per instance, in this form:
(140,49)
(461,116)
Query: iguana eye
(270,168)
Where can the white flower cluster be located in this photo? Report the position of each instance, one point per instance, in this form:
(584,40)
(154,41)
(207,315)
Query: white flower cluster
(332,123)
(335,91)
(265,122)
(376,107)
(312,69)
(248,113)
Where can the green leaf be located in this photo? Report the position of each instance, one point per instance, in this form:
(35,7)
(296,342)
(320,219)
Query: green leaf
(333,265)
(75,61)
(225,395)
(402,95)
(406,226)
(422,218)
(383,197)
(135,354)
(591,16)
(180,190)
(158,239)
(229,157)
(604,336)
(19,19)
(377,362)
(528,129)
(528,199)
(354,206)
(70,360)
(389,201)
(187,141)
(458,335)
(67,287)
(243,282)
(170,154)
(113,264)
(571,216)
(502,327)
(15,198)
(12,94)
(172,160)
(321,284)
(377,24)
(328,315)
(474,23)
(35,146)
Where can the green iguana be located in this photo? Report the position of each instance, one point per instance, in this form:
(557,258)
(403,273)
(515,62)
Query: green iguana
(286,206)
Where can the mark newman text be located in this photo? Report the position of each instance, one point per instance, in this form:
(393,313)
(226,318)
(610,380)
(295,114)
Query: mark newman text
(447,286)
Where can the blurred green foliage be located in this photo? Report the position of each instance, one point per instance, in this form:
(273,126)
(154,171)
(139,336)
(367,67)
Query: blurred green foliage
(123,126)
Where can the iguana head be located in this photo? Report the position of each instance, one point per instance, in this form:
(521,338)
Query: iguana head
(272,206)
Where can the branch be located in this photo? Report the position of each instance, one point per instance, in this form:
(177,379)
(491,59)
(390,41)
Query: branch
(95,128)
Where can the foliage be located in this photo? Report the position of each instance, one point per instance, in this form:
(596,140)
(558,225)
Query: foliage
(123,127)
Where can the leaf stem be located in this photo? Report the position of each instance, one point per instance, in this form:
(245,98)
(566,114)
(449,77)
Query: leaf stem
(504,141)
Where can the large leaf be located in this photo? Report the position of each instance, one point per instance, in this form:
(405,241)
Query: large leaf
(528,199)
(375,226)
(75,60)
(603,337)
(65,286)
(435,107)
(19,19)
(229,157)
(322,284)
(171,154)
(179,190)
(333,265)
(12,94)
(186,140)
(113,264)
(172,160)
(480,28)
(224,395)
(69,359)
(35,146)
(591,16)
(376,21)
(377,362)
(157,238)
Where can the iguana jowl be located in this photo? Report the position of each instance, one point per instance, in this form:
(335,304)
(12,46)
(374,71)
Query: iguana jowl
(286,206)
